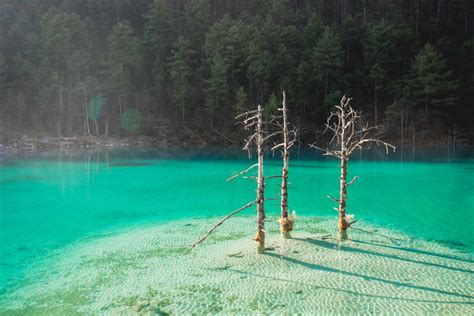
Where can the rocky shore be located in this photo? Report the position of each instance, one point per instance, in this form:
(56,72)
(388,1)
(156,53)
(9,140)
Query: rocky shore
(13,143)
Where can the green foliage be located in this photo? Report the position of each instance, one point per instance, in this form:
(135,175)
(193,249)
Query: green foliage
(327,58)
(130,120)
(271,107)
(3,72)
(64,40)
(123,61)
(196,23)
(217,86)
(158,27)
(429,82)
(124,48)
(240,100)
(333,98)
(195,54)
(96,106)
(180,70)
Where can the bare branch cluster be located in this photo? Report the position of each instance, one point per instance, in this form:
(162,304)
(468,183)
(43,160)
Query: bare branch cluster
(249,120)
(348,134)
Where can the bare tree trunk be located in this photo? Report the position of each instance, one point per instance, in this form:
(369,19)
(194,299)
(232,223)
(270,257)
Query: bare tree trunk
(260,237)
(326,87)
(182,111)
(364,12)
(20,107)
(438,11)
(69,113)
(375,104)
(401,124)
(286,224)
(417,16)
(86,112)
(343,224)
(120,104)
(96,127)
(60,109)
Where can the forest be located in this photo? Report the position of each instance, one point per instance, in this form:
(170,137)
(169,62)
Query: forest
(122,67)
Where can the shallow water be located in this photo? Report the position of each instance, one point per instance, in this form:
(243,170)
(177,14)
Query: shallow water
(50,201)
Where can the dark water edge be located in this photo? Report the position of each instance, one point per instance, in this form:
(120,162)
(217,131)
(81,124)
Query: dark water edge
(210,152)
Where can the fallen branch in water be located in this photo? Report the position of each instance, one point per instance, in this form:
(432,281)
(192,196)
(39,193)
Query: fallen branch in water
(222,221)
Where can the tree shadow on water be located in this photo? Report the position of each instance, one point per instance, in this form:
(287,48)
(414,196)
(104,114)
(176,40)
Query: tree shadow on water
(414,250)
(328,245)
(313,266)
(342,290)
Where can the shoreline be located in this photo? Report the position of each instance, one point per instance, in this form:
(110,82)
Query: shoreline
(151,269)
(83,143)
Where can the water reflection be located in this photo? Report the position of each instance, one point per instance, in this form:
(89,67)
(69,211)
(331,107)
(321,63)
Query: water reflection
(402,154)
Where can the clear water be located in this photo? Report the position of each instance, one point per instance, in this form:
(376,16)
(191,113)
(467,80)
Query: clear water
(50,200)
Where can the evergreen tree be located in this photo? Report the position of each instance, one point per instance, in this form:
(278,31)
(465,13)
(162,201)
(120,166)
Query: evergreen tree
(180,70)
(158,33)
(217,86)
(271,108)
(64,55)
(240,101)
(123,63)
(327,58)
(429,84)
(377,77)
(196,24)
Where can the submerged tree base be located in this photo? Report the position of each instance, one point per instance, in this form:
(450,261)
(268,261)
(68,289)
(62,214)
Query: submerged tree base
(260,239)
(343,235)
(286,226)
(343,226)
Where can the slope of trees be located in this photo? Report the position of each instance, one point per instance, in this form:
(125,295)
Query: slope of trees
(408,63)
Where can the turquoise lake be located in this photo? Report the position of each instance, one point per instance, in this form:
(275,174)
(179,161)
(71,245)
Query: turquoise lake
(50,200)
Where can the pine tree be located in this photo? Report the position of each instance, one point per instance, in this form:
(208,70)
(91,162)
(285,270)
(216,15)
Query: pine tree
(217,86)
(377,77)
(196,24)
(157,36)
(158,30)
(327,57)
(429,84)
(240,100)
(64,54)
(180,70)
(123,62)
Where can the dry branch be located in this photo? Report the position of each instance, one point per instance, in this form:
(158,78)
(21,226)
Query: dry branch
(241,172)
(333,198)
(246,206)
(352,181)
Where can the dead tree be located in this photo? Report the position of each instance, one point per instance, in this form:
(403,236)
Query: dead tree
(348,135)
(257,137)
(251,120)
(288,140)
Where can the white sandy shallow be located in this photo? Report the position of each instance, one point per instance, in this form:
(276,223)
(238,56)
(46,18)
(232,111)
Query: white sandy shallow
(151,270)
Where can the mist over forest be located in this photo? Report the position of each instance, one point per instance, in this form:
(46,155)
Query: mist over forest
(122,68)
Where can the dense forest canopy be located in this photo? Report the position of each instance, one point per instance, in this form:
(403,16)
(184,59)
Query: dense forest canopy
(116,67)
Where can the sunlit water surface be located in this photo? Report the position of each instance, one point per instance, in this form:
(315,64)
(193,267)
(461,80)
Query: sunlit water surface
(50,200)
